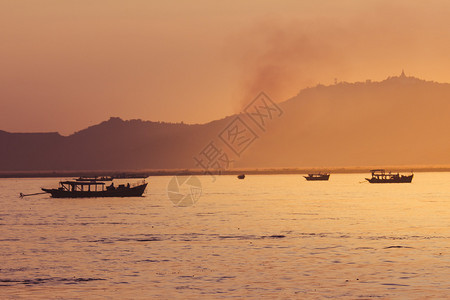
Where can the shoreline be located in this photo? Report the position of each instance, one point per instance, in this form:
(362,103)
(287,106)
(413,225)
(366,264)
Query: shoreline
(248,171)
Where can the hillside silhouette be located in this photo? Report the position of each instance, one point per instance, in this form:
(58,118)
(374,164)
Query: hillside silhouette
(399,121)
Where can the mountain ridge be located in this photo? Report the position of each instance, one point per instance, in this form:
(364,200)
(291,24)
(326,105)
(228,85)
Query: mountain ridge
(400,120)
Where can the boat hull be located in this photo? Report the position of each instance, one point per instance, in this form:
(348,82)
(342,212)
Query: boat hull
(136,191)
(401,179)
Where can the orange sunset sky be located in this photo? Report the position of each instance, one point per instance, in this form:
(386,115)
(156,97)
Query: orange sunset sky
(66,65)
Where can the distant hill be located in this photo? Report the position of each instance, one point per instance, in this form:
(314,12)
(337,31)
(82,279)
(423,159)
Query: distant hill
(111,145)
(399,121)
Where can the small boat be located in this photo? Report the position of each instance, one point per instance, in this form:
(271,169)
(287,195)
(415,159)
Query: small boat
(380,176)
(317,176)
(95,188)
(241,176)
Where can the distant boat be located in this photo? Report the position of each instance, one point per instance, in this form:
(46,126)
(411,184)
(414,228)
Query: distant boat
(91,189)
(317,176)
(380,176)
(241,176)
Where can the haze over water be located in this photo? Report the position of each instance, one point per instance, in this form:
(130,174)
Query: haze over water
(263,237)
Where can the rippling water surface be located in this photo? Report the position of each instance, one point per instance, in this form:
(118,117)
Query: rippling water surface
(265,236)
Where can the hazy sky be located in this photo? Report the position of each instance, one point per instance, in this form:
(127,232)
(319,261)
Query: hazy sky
(69,64)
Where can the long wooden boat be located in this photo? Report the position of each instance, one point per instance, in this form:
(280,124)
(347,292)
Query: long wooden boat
(380,176)
(91,189)
(317,177)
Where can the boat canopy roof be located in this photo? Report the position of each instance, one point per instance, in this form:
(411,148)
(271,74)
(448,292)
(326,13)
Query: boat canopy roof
(378,170)
(82,182)
(95,178)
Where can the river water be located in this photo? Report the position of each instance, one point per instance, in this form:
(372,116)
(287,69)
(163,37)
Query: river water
(267,236)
